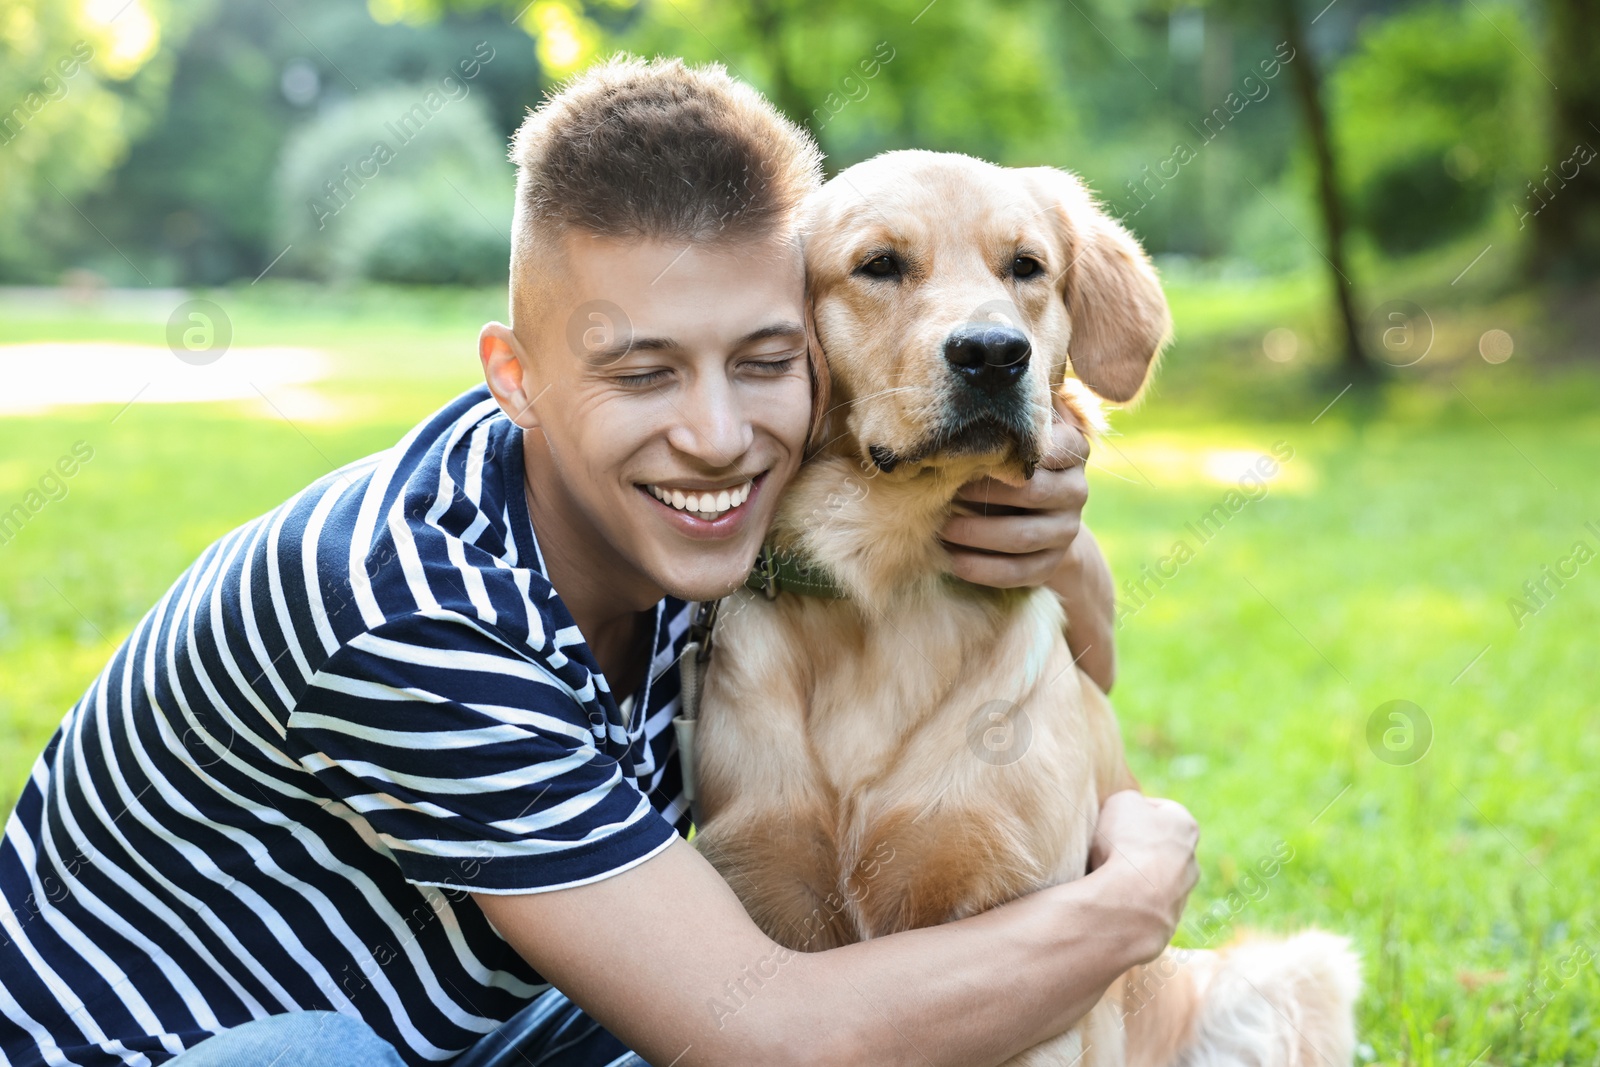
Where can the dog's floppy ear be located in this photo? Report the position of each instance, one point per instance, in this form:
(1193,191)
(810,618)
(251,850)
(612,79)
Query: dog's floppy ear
(1119,315)
(821,383)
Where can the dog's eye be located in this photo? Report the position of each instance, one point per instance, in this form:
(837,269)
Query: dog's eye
(884,266)
(1025,267)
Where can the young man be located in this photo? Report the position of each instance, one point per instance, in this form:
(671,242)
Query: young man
(390,760)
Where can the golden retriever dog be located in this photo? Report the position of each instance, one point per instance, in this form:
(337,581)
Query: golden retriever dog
(883,747)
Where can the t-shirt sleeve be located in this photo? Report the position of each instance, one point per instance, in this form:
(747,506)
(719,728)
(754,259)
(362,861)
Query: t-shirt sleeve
(471,760)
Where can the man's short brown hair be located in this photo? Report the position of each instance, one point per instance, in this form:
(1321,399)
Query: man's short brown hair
(652,150)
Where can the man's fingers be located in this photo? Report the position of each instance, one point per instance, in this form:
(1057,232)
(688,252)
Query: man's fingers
(1010,534)
(1068,446)
(1049,488)
(1003,572)
(1033,493)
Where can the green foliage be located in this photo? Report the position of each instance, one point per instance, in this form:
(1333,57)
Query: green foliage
(866,78)
(196,215)
(1436,107)
(427,232)
(181,182)
(1437,121)
(407,184)
(77,83)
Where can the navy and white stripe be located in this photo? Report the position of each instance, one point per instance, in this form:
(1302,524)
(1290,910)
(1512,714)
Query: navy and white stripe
(344,717)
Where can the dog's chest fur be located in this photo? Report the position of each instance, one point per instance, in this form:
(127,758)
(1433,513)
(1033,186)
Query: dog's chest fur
(894,760)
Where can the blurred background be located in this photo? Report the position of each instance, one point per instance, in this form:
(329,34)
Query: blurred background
(1354,521)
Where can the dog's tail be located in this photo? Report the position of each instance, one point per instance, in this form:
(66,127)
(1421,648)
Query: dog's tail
(1271,1002)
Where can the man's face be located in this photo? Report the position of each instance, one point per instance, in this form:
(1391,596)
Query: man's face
(671,386)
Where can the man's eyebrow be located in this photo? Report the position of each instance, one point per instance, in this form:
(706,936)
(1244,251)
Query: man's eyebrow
(627,345)
(623,346)
(777,329)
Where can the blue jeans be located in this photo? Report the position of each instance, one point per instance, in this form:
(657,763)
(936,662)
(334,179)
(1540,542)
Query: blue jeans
(550,1032)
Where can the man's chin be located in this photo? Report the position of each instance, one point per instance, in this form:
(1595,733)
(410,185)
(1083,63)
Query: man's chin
(707,580)
(707,589)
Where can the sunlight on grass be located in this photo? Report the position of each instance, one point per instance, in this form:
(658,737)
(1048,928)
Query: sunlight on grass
(1191,459)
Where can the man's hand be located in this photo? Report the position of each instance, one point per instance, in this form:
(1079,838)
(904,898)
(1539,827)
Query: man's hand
(1152,841)
(1029,535)
(1019,535)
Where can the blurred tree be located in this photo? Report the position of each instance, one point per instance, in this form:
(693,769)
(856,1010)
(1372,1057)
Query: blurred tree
(1410,136)
(190,196)
(77,82)
(567,34)
(863,79)
(982,79)
(195,198)
(1330,194)
(1567,225)
(1467,134)
(406,183)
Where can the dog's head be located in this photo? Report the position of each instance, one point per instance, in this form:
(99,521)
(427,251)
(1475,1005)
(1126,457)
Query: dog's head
(950,296)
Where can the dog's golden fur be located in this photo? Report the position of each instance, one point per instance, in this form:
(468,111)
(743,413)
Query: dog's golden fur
(923,750)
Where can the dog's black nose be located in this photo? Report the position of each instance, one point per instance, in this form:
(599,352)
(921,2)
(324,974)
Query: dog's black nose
(988,355)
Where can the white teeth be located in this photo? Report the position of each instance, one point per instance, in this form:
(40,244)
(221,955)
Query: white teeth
(704,505)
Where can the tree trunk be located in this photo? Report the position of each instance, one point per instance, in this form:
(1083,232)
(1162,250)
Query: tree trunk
(1567,227)
(1308,88)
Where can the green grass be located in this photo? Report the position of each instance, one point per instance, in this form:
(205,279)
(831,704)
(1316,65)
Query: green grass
(1248,681)
(1377,567)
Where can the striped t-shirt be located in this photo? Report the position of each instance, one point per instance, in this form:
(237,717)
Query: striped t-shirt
(341,718)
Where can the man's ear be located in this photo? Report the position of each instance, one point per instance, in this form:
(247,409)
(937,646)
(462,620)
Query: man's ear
(1118,313)
(505,370)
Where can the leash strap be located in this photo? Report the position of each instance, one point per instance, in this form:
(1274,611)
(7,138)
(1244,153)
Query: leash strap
(692,674)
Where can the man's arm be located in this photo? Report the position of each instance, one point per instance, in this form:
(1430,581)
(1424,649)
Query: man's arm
(1084,584)
(1032,534)
(665,957)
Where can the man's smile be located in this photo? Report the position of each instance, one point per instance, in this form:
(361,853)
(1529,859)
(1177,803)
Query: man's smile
(705,509)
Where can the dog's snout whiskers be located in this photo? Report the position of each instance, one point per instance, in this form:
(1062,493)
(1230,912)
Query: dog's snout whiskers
(872,396)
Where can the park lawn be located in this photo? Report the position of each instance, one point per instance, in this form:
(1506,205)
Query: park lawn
(1377,566)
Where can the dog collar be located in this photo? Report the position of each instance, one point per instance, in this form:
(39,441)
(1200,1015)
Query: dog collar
(782,572)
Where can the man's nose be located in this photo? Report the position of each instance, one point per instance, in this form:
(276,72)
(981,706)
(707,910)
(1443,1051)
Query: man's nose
(712,425)
(987,356)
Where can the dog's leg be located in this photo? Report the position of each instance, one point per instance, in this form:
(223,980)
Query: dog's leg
(784,873)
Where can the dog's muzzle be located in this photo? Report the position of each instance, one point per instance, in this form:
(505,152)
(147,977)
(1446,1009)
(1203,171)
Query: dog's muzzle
(987,410)
(959,435)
